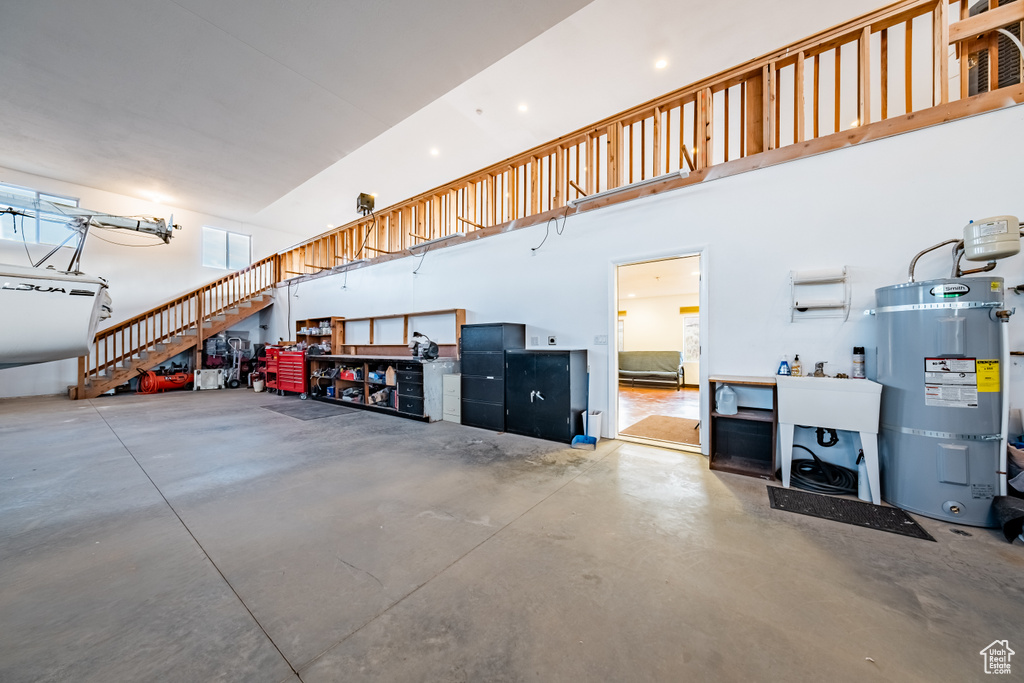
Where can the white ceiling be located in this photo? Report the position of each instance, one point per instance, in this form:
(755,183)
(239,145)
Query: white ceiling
(667,277)
(226,106)
(280,113)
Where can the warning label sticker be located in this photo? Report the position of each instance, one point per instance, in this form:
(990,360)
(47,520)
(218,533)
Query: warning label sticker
(988,376)
(950,382)
(993,228)
(982,490)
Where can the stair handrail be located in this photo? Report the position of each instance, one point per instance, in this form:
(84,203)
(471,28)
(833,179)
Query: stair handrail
(128,338)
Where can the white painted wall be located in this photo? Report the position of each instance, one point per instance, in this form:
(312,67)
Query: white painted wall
(869,207)
(139,277)
(653,323)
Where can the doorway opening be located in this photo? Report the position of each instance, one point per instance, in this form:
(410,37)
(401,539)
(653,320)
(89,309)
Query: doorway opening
(658,344)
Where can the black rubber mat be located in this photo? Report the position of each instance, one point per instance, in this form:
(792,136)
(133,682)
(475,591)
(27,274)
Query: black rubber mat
(308,409)
(855,512)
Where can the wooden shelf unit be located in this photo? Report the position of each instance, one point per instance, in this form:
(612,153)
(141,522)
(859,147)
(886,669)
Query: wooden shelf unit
(373,348)
(744,443)
(416,393)
(327,329)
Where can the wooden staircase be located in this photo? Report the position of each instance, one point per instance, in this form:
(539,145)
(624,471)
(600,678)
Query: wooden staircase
(147,340)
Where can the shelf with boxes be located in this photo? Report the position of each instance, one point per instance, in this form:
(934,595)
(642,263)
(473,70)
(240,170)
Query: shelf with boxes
(327,334)
(398,385)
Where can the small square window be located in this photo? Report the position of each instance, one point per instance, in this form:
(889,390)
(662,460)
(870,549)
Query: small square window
(226,250)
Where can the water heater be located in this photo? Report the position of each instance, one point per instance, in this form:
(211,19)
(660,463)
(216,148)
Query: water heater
(939,350)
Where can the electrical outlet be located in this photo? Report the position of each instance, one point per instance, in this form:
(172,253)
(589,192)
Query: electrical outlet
(601,339)
(534,341)
(552,341)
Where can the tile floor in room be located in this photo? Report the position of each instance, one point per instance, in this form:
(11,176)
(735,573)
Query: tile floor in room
(200,537)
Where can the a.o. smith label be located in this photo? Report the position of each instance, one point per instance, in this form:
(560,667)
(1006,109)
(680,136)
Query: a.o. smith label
(949,291)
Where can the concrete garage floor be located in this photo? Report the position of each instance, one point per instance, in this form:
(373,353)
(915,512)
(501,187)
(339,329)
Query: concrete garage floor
(200,537)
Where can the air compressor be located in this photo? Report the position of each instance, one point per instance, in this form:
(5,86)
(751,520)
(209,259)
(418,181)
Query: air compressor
(163,379)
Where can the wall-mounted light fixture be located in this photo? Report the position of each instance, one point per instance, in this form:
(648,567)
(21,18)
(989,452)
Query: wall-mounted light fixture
(429,243)
(681,173)
(348,265)
(364,203)
(434,241)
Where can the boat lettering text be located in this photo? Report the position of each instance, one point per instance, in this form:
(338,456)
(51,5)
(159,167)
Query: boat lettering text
(26,287)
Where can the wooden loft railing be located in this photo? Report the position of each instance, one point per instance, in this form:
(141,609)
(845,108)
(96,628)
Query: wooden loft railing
(884,73)
(163,332)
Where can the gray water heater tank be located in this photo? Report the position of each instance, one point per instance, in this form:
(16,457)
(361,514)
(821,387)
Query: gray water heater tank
(938,362)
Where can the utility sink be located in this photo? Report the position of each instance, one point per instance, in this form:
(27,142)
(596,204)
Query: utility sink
(850,404)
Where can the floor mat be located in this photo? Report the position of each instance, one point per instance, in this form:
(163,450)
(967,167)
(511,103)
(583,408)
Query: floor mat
(855,512)
(663,428)
(308,410)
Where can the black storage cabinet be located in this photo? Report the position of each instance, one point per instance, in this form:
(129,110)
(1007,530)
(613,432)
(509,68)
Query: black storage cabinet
(545,393)
(482,355)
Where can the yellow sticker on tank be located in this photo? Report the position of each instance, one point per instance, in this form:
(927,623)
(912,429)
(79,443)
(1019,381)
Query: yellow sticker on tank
(994,286)
(988,376)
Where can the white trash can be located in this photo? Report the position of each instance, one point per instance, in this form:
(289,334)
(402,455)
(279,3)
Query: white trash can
(594,426)
(257,385)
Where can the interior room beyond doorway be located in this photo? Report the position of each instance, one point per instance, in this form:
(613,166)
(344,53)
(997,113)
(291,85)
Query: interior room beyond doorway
(658,342)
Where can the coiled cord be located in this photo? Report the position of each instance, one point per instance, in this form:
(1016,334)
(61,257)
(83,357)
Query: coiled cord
(819,476)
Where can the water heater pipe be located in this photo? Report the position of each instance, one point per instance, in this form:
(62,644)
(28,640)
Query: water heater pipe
(1004,379)
(1014,39)
(913,262)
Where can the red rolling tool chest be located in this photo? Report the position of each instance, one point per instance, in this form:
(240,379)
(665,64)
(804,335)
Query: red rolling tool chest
(291,372)
(286,371)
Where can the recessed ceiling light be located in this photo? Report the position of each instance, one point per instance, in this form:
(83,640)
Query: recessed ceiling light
(154,197)
(854,123)
(523,107)
(660,64)
(434,152)
(373,194)
(330,225)
(631,295)
(696,272)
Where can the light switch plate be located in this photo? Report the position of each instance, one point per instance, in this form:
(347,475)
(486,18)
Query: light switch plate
(601,339)
(534,341)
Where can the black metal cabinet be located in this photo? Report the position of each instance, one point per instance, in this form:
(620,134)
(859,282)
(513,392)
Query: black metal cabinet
(545,393)
(482,353)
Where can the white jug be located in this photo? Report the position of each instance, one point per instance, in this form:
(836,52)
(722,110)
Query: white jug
(725,400)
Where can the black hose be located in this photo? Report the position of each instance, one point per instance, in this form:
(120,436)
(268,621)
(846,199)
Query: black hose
(821,477)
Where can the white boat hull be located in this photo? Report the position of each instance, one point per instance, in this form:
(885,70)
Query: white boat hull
(48,315)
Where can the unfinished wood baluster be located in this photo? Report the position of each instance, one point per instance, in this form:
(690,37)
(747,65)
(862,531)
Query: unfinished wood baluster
(817,94)
(769,76)
(884,72)
(940,60)
(798,99)
(838,88)
(725,118)
(908,61)
(864,77)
